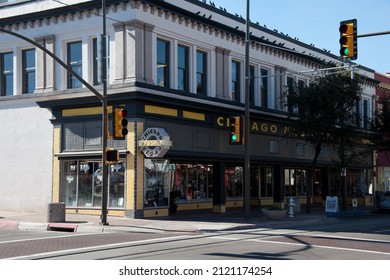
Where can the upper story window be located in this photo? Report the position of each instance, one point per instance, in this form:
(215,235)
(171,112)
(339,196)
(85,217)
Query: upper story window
(96,61)
(74,51)
(236,81)
(363,113)
(290,85)
(29,69)
(264,87)
(201,72)
(183,68)
(252,85)
(7,74)
(162,63)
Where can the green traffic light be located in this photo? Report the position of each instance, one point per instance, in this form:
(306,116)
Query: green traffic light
(234,137)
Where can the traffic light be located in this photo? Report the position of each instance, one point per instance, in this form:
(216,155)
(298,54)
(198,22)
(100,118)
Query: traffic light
(348,39)
(235,130)
(119,123)
(112,156)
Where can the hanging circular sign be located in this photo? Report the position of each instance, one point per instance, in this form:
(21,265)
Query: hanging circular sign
(155,142)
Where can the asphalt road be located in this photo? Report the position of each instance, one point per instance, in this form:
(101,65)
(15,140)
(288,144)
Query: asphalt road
(366,238)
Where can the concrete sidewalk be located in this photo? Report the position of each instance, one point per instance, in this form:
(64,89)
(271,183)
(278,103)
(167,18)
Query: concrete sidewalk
(188,222)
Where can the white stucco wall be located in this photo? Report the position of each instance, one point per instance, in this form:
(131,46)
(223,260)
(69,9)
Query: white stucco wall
(25,156)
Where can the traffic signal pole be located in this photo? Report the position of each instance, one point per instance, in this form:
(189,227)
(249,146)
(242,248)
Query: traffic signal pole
(373,34)
(103,217)
(247,141)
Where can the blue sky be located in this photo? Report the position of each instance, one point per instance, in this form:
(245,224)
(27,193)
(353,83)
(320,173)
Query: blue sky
(317,22)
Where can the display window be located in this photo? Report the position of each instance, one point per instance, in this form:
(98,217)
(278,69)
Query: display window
(359,183)
(234,182)
(193,182)
(295,181)
(82,184)
(157,183)
(179,182)
(262,182)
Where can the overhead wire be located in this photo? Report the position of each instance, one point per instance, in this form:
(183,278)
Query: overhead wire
(81,10)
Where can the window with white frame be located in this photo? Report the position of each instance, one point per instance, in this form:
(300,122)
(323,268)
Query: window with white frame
(201,72)
(96,60)
(7,74)
(366,113)
(163,63)
(183,68)
(252,85)
(74,55)
(264,87)
(290,86)
(236,77)
(29,71)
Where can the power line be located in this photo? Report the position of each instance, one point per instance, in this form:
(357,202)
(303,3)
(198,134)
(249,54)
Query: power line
(81,10)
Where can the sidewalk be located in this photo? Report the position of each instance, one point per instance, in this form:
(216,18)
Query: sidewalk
(186,222)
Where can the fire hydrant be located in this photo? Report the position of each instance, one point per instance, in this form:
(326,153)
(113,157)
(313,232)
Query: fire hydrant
(291,205)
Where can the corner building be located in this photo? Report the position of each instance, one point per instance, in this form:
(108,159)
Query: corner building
(178,69)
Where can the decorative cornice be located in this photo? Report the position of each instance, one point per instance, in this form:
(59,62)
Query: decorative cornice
(178,16)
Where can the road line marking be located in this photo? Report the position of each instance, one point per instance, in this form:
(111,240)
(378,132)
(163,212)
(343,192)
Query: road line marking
(302,245)
(45,238)
(100,247)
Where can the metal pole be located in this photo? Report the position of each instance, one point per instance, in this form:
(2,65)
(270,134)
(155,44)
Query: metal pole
(104,120)
(373,34)
(247,169)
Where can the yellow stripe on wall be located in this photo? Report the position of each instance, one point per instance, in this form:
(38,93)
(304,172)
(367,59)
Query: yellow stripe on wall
(194,116)
(161,111)
(84,111)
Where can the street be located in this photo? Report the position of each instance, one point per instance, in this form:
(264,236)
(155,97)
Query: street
(363,238)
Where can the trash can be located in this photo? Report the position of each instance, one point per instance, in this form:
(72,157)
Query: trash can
(56,212)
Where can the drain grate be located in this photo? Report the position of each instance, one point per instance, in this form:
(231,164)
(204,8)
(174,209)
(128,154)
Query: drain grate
(62,227)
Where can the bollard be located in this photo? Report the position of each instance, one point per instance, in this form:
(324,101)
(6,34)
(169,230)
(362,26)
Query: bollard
(291,208)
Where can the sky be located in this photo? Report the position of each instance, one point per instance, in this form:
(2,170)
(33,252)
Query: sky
(318,22)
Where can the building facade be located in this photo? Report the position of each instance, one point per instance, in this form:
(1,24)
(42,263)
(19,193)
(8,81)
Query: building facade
(178,69)
(383,158)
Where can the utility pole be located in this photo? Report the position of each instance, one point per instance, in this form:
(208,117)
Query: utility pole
(247,170)
(104,120)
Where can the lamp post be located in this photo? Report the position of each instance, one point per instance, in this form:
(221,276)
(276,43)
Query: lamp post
(247,120)
(104,120)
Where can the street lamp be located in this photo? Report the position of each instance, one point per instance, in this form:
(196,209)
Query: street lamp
(247,120)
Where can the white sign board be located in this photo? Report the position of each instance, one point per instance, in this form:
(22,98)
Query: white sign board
(332,204)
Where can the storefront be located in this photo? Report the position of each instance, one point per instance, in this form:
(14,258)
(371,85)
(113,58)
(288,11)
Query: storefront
(182,156)
(81,184)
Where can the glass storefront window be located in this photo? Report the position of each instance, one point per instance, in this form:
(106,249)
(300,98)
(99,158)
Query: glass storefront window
(234,182)
(82,184)
(180,181)
(359,183)
(383,178)
(295,181)
(157,182)
(262,182)
(193,182)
